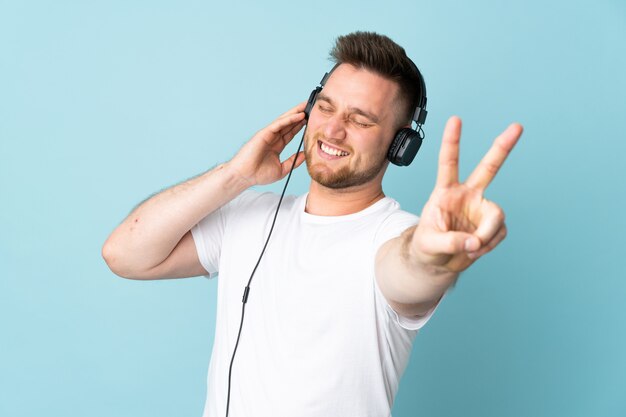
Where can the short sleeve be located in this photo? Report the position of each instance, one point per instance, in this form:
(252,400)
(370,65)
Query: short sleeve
(209,233)
(392,227)
(407,323)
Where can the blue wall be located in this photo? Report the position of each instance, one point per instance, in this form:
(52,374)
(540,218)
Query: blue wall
(103,103)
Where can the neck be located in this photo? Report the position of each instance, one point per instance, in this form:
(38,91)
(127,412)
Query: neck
(324,201)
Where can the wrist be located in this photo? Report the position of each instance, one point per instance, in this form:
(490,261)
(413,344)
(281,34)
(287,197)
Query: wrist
(232,178)
(428,266)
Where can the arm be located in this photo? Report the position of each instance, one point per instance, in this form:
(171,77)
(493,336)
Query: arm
(409,287)
(154,241)
(140,247)
(457,226)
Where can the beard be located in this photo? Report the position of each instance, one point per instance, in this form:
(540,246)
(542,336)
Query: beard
(345,176)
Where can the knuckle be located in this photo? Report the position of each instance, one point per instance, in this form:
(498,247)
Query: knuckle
(501,146)
(450,160)
(491,167)
(452,245)
(497,212)
(500,215)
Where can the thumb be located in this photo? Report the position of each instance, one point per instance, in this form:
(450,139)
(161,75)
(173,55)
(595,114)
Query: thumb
(449,243)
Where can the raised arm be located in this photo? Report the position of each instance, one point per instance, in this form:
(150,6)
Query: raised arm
(457,226)
(155,242)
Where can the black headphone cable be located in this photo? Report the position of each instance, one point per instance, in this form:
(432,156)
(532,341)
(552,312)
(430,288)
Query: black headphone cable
(246,291)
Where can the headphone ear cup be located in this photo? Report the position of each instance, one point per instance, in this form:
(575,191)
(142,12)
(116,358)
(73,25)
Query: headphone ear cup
(404,147)
(311,102)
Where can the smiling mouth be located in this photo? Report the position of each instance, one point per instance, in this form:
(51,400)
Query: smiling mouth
(328,150)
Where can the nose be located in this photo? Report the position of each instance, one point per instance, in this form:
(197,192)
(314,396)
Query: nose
(335,127)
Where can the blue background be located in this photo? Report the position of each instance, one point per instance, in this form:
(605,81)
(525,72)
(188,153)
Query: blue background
(103,103)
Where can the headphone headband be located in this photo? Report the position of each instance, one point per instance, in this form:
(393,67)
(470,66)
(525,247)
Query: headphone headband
(419,115)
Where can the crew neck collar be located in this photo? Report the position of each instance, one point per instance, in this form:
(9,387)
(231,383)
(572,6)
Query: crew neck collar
(313,218)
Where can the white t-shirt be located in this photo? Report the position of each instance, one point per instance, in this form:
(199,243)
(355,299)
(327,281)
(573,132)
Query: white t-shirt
(319,338)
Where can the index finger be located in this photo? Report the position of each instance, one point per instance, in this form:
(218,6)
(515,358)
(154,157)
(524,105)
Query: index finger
(294,110)
(448,171)
(287,121)
(495,157)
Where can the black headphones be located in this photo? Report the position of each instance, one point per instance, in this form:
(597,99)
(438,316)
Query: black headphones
(407,141)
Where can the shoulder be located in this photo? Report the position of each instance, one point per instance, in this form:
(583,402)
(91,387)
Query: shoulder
(253,201)
(393,222)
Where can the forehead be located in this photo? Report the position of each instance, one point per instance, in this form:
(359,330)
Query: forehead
(350,86)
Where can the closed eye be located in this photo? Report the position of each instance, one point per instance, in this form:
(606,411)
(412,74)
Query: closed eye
(362,124)
(325,109)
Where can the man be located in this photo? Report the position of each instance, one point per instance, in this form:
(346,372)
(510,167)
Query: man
(347,278)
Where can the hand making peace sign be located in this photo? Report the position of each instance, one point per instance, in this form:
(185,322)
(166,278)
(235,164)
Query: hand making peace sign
(458,225)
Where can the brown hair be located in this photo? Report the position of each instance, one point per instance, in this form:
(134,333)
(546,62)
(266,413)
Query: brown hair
(381,55)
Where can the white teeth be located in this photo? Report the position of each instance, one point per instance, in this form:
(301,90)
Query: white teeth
(332,151)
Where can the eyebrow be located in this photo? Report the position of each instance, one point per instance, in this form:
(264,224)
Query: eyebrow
(356,110)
